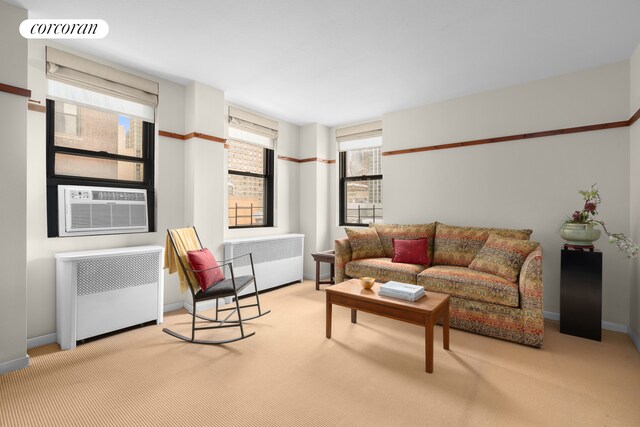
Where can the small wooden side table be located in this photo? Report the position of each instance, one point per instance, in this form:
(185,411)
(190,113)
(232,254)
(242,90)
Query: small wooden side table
(330,258)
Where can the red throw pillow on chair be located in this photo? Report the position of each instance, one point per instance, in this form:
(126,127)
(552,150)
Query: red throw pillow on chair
(410,251)
(203,259)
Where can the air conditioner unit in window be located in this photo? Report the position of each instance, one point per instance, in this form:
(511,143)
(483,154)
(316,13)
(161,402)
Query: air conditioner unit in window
(101,210)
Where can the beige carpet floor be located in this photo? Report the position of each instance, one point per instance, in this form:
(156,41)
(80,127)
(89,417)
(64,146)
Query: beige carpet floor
(368,374)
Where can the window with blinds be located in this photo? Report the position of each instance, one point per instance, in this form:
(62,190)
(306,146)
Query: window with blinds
(360,168)
(100,129)
(250,182)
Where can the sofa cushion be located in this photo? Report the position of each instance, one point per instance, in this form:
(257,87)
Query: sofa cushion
(462,282)
(411,251)
(364,242)
(383,270)
(459,245)
(404,231)
(503,256)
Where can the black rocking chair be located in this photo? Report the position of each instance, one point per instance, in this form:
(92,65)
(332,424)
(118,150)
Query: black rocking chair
(226,288)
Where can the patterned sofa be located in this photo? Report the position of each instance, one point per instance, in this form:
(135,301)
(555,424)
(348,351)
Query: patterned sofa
(481,302)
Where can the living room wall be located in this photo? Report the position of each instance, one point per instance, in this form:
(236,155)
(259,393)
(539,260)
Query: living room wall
(190,186)
(531,183)
(634,105)
(41,287)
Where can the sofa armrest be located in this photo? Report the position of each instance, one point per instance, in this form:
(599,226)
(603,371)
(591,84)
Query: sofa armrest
(531,281)
(531,302)
(343,256)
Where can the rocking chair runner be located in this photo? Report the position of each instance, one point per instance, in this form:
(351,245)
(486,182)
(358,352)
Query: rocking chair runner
(226,288)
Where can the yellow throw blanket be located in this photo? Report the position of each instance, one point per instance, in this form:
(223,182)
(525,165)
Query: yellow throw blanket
(185,240)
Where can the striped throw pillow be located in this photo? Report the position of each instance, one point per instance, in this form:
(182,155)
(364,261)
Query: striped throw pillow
(365,243)
(503,256)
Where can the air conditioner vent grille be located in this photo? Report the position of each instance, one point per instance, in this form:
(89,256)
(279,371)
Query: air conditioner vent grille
(119,272)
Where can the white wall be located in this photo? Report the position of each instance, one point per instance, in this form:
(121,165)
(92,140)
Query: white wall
(41,249)
(634,300)
(520,184)
(13,175)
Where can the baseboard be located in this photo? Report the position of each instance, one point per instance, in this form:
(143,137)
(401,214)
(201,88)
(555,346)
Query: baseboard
(14,365)
(634,338)
(609,326)
(41,340)
(173,306)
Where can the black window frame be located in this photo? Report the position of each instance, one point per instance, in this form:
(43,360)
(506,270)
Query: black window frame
(344,180)
(54,180)
(268,197)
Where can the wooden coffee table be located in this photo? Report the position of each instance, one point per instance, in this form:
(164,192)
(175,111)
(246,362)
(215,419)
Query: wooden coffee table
(424,312)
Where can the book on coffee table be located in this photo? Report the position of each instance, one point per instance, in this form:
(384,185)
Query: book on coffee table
(401,290)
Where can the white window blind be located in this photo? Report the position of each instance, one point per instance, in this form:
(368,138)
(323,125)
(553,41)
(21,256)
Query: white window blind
(242,135)
(77,71)
(253,123)
(65,92)
(366,135)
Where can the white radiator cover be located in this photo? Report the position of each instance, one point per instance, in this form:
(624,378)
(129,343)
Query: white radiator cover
(105,290)
(277,259)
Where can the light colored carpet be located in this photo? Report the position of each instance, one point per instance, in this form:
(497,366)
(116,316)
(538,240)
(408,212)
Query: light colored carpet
(290,374)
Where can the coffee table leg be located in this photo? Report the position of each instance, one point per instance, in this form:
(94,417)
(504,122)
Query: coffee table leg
(328,317)
(428,336)
(445,328)
(354,316)
(317,275)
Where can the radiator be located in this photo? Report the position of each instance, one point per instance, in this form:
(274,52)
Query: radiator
(105,290)
(277,259)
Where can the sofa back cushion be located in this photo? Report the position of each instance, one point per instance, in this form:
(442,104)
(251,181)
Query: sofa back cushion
(387,232)
(458,246)
(503,256)
(365,243)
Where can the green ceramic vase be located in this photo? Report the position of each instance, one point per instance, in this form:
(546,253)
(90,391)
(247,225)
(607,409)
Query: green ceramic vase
(579,234)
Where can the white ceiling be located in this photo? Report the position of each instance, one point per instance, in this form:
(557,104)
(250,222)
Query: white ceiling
(341,61)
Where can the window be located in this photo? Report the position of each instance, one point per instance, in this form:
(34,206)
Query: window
(100,129)
(89,146)
(360,163)
(250,180)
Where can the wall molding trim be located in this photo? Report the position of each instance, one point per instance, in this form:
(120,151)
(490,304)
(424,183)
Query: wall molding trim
(14,90)
(192,135)
(41,340)
(36,107)
(14,365)
(634,118)
(307,160)
(542,134)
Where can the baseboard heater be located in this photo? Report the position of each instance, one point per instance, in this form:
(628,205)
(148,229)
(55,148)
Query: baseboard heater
(102,291)
(277,259)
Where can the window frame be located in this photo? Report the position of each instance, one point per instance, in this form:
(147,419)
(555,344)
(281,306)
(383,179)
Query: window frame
(344,180)
(268,176)
(54,180)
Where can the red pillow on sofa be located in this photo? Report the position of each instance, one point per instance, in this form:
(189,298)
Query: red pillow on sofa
(203,259)
(411,251)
